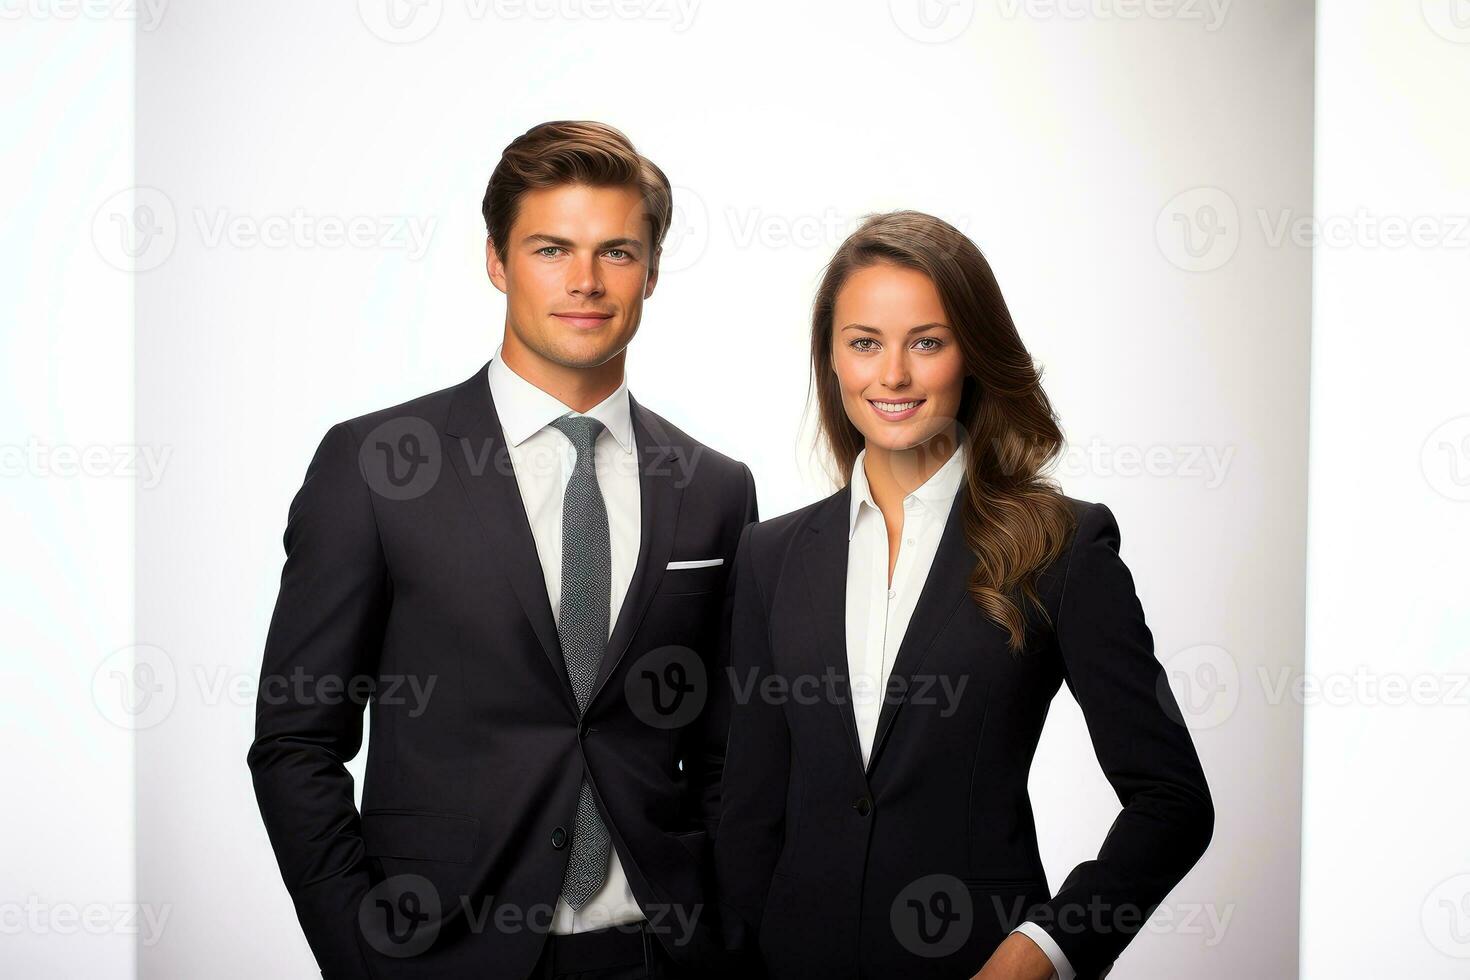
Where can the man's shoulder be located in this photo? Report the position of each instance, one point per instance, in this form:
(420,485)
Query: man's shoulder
(700,455)
(431,408)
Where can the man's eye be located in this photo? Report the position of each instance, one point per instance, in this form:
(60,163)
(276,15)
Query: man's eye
(616,253)
(548,250)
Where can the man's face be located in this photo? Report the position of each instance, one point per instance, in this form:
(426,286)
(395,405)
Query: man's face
(575,271)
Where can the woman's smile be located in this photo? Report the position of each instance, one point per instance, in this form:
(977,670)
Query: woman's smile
(891,410)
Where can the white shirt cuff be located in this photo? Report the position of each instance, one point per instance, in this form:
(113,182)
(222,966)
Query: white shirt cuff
(1061,968)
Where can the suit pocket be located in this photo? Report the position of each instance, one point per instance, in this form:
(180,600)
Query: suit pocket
(1014,882)
(420,835)
(1002,903)
(696,842)
(692,581)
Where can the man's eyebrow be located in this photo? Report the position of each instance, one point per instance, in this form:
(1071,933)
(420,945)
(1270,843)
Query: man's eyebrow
(568,243)
(921,327)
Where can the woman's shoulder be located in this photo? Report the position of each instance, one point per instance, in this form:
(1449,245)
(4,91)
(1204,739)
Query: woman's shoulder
(776,535)
(1094,553)
(1090,518)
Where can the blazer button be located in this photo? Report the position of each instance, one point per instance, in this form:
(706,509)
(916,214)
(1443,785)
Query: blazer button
(863,806)
(558,838)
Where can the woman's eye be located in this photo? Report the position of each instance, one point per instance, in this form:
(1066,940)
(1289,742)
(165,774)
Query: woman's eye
(932,342)
(862,343)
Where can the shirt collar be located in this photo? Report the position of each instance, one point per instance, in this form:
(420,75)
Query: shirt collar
(937,492)
(525,410)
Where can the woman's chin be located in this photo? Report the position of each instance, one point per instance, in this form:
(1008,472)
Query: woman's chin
(894,437)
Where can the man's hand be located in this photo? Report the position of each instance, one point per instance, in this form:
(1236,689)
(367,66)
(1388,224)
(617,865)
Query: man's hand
(1018,958)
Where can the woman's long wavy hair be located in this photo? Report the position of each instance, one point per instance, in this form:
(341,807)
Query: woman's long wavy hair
(1015,520)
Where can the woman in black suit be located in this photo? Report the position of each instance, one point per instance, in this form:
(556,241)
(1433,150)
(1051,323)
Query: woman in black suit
(895,647)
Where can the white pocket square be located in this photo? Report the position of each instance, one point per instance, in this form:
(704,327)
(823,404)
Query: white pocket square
(701,563)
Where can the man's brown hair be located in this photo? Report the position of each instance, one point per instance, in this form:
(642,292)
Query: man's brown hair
(573,152)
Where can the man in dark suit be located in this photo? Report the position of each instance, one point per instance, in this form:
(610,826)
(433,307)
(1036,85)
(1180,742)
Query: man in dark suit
(524,575)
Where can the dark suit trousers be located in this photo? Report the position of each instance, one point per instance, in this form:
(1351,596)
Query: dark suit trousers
(629,952)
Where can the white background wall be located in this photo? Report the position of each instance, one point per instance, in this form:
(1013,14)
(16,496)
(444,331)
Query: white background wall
(1078,151)
(68,904)
(1386,861)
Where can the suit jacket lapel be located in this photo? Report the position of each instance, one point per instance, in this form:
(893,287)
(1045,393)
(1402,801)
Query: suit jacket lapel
(660,492)
(481,458)
(942,592)
(824,561)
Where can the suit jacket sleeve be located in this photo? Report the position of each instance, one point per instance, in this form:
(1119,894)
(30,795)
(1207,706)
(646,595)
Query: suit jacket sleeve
(757,766)
(320,651)
(1145,751)
(709,755)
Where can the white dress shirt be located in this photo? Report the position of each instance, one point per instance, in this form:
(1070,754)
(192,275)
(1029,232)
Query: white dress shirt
(542,458)
(878,611)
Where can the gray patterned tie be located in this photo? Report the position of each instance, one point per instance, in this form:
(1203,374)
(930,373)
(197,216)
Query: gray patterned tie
(586,590)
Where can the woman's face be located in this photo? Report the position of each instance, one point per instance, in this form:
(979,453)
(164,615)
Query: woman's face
(898,365)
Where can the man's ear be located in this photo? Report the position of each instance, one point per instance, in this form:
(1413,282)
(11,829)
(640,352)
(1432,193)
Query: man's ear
(493,266)
(653,272)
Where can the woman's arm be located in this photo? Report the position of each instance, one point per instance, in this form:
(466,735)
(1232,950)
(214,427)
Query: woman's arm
(1144,749)
(757,764)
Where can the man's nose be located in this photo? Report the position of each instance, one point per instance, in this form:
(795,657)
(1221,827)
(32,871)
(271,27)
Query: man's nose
(584,279)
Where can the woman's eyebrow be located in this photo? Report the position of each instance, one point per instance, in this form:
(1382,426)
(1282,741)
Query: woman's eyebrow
(923,326)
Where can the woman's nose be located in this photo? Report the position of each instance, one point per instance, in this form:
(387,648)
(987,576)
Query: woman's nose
(895,370)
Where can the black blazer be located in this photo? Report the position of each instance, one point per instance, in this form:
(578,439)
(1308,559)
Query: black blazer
(429,576)
(921,864)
